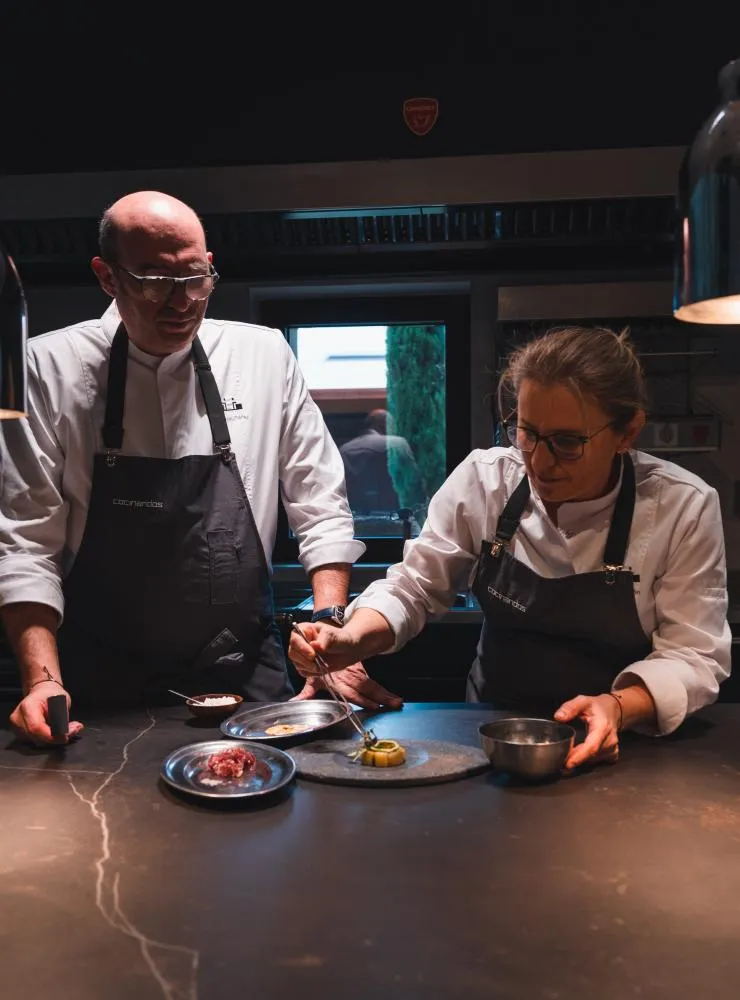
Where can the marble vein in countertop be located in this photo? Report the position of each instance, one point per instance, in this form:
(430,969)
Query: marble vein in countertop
(177,980)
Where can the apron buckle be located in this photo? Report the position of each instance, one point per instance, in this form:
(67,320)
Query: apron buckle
(496,547)
(111,454)
(610,571)
(225,452)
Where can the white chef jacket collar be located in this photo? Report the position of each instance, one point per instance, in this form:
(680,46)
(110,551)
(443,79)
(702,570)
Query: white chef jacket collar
(577,512)
(110,321)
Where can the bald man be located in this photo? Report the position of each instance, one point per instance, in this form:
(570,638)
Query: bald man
(139,500)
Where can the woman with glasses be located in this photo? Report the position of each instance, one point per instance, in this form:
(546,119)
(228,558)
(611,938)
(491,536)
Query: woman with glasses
(600,570)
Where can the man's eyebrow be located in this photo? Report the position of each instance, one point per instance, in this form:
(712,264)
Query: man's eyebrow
(195,268)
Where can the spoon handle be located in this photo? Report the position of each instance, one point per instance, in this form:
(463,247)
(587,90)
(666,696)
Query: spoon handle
(187,697)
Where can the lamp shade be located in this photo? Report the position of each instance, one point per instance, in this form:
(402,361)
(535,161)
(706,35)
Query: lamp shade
(707,267)
(13,338)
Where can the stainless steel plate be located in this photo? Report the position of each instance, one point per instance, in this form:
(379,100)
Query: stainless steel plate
(186,769)
(251,723)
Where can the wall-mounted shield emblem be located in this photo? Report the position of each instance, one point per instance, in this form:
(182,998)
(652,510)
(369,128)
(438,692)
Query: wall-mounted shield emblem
(420,114)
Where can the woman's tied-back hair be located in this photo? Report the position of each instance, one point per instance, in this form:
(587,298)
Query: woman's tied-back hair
(592,362)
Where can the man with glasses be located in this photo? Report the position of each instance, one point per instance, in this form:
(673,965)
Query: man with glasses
(140,498)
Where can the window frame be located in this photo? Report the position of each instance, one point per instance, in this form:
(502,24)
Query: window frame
(451,310)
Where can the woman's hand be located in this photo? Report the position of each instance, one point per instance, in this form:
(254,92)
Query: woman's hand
(337,647)
(603,717)
(366,634)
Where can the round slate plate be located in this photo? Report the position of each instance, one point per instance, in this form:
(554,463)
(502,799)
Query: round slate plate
(251,722)
(428,762)
(187,770)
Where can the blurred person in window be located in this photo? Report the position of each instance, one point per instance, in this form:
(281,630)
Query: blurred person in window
(368,460)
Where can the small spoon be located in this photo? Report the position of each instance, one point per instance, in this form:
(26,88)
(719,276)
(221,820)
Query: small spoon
(193,701)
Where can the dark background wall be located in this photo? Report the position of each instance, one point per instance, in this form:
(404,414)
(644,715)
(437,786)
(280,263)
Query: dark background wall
(90,86)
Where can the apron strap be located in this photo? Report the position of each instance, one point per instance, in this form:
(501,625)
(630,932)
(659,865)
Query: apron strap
(211,398)
(113,423)
(114,405)
(510,516)
(619,532)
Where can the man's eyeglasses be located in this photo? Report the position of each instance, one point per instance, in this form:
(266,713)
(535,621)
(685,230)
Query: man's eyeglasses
(563,445)
(159,287)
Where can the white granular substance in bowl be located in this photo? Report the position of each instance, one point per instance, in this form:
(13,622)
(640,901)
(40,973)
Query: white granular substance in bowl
(213,702)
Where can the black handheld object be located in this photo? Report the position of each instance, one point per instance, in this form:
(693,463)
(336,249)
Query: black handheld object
(57,715)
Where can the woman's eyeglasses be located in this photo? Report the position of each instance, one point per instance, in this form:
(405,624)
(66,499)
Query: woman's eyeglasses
(562,445)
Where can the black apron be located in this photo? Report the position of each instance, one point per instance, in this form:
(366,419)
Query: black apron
(547,640)
(170,587)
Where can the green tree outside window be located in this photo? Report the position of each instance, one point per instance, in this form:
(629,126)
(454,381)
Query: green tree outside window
(415,359)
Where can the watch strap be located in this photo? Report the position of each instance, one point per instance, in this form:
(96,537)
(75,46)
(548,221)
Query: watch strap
(334,615)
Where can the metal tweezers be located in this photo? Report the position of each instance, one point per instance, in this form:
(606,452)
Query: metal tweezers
(368,736)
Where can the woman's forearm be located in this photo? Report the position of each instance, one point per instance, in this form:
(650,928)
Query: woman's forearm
(371,631)
(637,704)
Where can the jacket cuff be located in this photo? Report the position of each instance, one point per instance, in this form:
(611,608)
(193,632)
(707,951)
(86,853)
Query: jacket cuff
(31,590)
(324,553)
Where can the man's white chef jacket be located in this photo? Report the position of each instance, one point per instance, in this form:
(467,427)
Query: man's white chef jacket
(278,436)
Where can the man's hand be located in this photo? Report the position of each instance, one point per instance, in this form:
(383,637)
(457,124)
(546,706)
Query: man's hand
(354,683)
(602,717)
(29,718)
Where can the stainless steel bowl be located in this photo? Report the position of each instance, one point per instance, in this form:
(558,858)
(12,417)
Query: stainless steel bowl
(529,749)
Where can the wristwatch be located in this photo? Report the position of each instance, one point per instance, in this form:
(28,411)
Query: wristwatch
(333,615)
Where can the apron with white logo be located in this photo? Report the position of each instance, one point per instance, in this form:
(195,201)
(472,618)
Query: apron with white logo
(170,587)
(546,640)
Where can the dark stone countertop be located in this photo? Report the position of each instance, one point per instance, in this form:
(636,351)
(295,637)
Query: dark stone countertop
(617,882)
